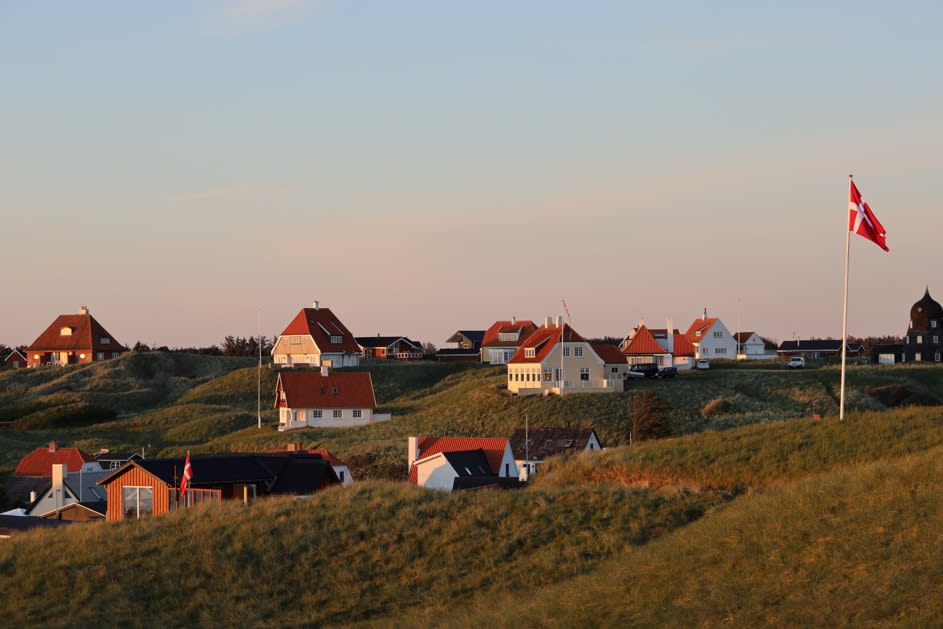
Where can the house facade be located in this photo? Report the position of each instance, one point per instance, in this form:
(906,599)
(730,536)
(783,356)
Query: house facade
(665,347)
(711,339)
(64,489)
(750,346)
(502,340)
(389,348)
(467,347)
(143,489)
(556,359)
(315,337)
(447,463)
(73,339)
(325,399)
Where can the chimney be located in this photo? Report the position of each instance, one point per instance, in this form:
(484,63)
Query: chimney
(704,316)
(513,319)
(548,321)
(413,452)
(559,321)
(317,305)
(83,310)
(670,337)
(52,447)
(58,483)
(32,496)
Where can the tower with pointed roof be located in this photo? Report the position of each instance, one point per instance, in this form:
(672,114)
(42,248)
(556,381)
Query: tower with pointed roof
(922,343)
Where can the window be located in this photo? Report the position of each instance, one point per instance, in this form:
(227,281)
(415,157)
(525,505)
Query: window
(99,355)
(529,352)
(718,335)
(105,340)
(566,351)
(548,376)
(317,414)
(584,374)
(936,339)
(66,331)
(933,323)
(138,502)
(338,413)
(337,340)
(578,351)
(720,350)
(918,357)
(507,336)
(936,356)
(340,476)
(919,339)
(358,413)
(295,340)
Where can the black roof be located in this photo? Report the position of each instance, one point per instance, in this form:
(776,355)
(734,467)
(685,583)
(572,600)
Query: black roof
(458,351)
(117,456)
(544,442)
(280,472)
(18,488)
(475,336)
(469,462)
(383,341)
(471,483)
(816,345)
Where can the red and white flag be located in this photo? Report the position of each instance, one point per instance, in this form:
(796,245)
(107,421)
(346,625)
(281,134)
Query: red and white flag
(187,475)
(862,220)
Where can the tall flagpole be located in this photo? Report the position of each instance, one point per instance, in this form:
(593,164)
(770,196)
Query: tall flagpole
(844,320)
(259,390)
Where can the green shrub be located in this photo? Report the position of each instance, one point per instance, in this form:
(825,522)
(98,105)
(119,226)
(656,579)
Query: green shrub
(68,415)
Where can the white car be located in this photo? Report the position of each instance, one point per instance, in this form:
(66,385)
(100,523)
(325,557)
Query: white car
(703,364)
(796,362)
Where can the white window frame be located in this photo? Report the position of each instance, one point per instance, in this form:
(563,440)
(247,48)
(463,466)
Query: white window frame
(338,413)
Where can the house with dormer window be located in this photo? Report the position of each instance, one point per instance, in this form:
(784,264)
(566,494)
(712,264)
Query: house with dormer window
(315,337)
(72,340)
(556,359)
(711,339)
(502,340)
(665,347)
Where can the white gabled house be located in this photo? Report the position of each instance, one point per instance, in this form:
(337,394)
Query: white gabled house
(450,463)
(531,447)
(752,347)
(711,339)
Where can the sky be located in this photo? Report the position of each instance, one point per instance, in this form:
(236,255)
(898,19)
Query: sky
(192,170)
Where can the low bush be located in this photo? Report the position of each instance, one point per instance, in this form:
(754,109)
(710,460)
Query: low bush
(68,415)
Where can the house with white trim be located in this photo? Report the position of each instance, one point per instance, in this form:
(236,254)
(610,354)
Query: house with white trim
(450,463)
(711,339)
(556,359)
(750,346)
(313,338)
(502,340)
(309,399)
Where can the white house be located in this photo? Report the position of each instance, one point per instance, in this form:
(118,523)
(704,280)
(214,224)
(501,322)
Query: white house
(444,463)
(711,339)
(316,337)
(67,488)
(325,399)
(752,347)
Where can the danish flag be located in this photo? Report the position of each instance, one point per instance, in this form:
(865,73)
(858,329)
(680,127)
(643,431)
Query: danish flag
(187,475)
(862,220)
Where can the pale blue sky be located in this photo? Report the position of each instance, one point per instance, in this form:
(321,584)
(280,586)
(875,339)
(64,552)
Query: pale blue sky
(188,168)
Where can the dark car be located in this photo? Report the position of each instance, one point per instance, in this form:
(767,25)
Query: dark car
(667,372)
(649,370)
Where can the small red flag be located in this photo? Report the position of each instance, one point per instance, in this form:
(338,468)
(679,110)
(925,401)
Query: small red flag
(187,475)
(862,220)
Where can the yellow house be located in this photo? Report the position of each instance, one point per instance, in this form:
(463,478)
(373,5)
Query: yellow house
(556,359)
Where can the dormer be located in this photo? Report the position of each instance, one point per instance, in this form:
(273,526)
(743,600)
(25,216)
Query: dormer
(66,330)
(509,336)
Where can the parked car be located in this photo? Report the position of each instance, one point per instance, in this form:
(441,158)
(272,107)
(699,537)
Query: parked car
(667,372)
(649,370)
(796,362)
(703,364)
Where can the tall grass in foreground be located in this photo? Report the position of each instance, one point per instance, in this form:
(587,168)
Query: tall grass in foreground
(376,550)
(857,547)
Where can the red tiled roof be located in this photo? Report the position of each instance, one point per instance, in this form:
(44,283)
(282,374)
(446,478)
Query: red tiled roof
(543,341)
(524,328)
(40,461)
(609,353)
(743,337)
(493,447)
(644,343)
(86,334)
(309,389)
(702,326)
(320,324)
(683,346)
